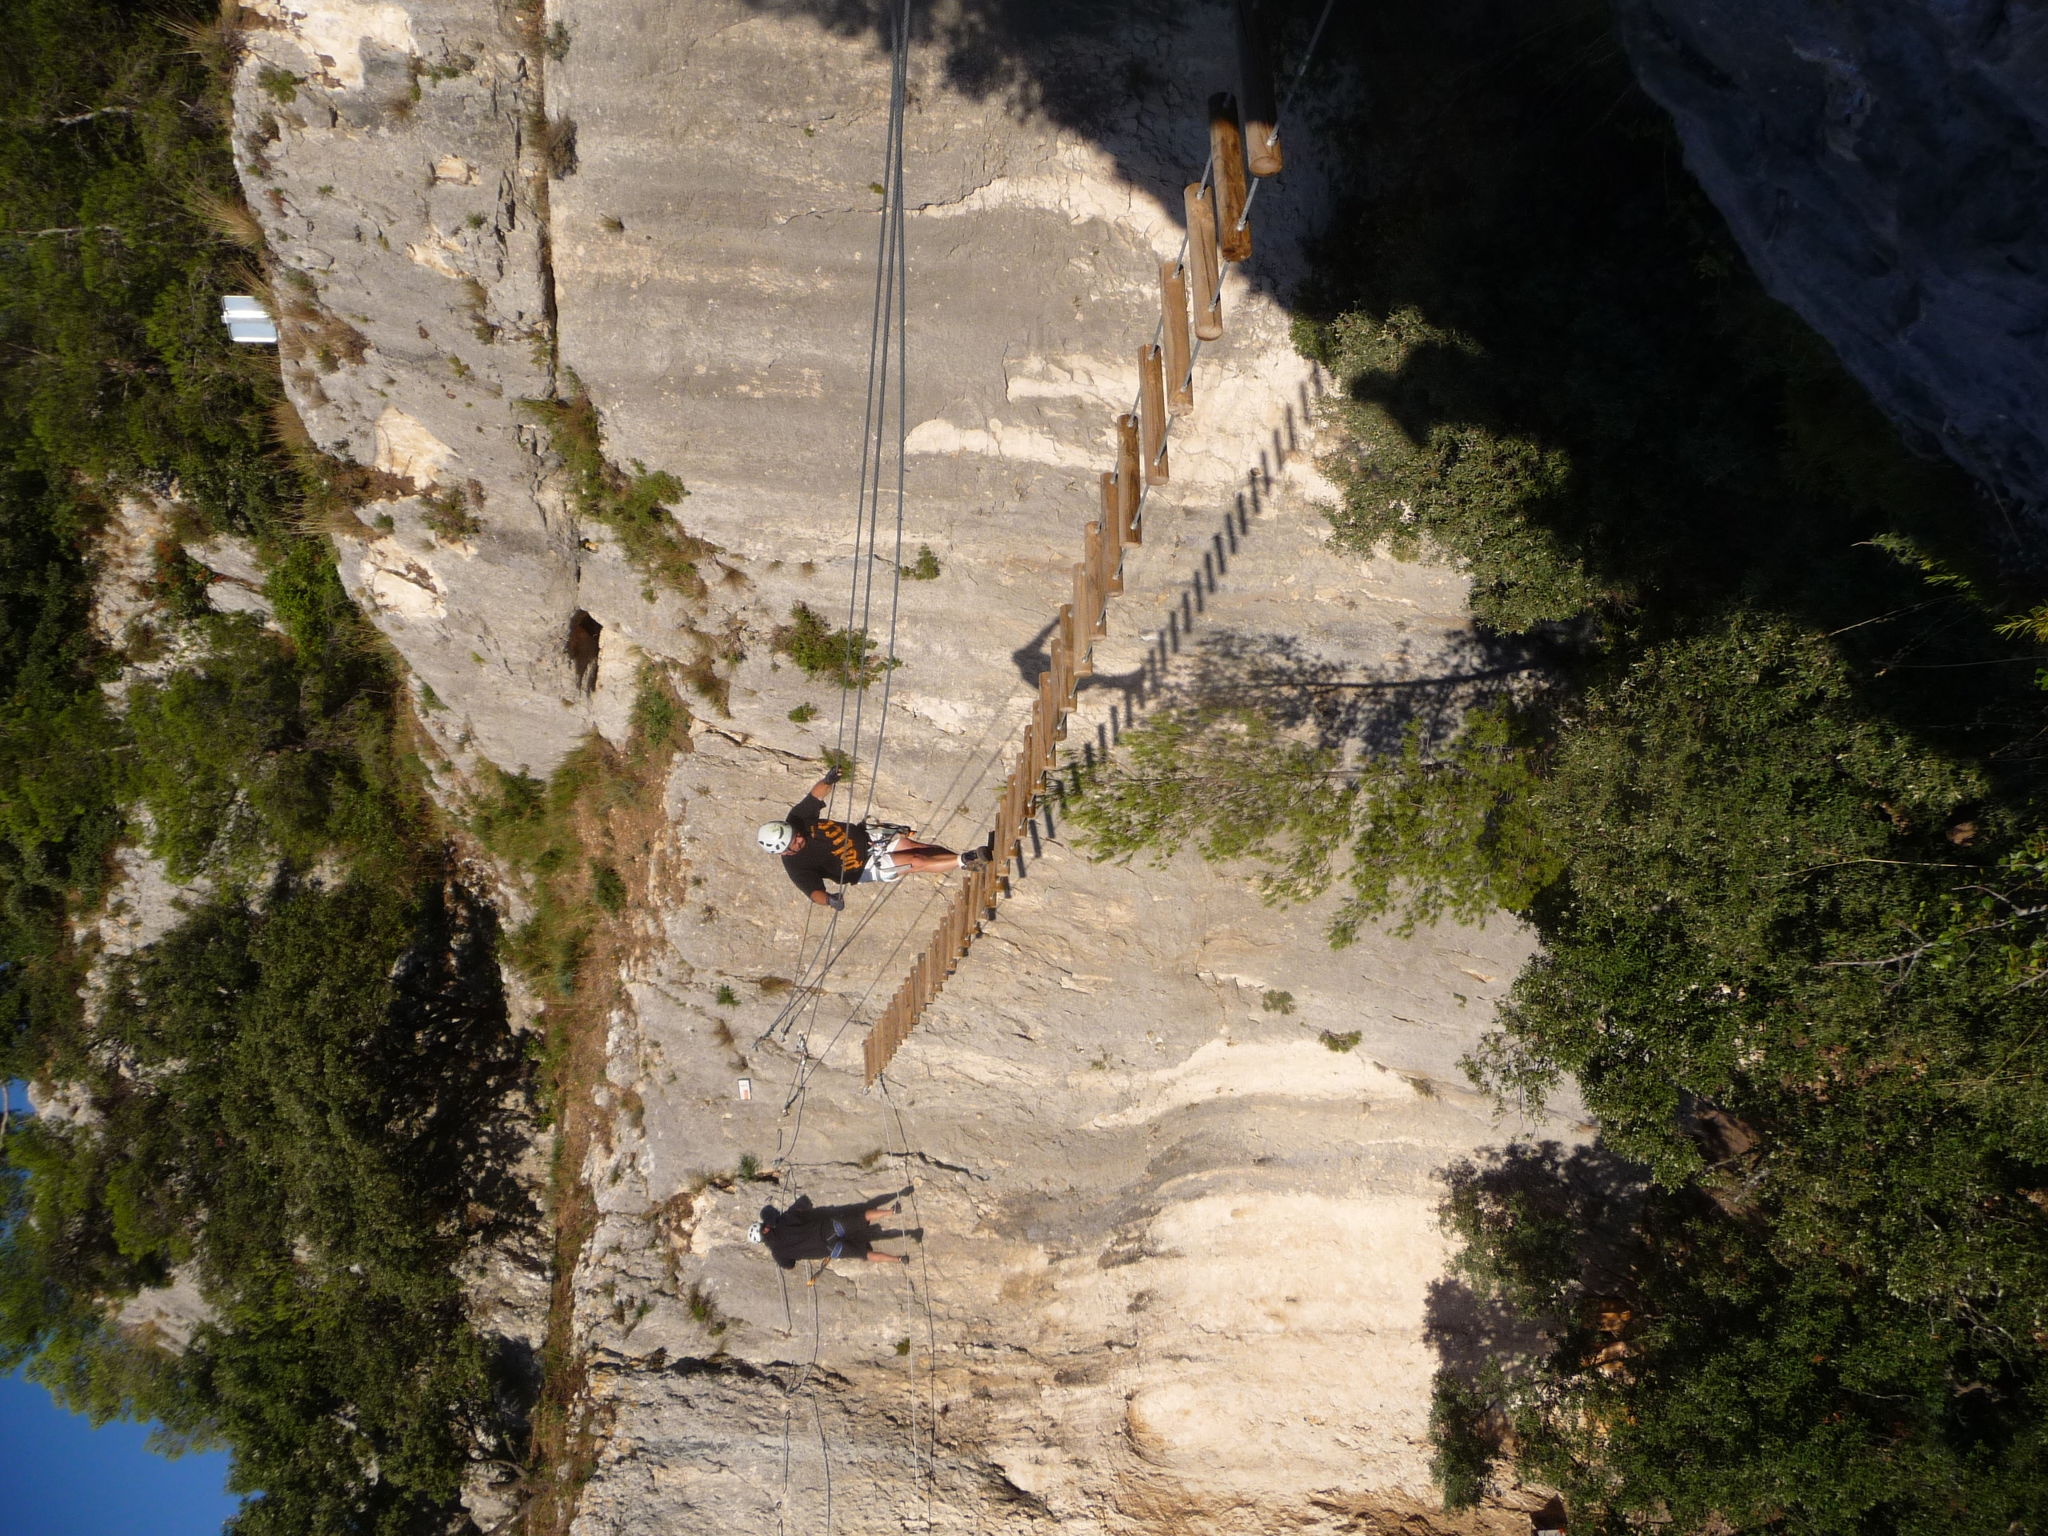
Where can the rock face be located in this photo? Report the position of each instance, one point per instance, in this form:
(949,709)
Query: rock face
(1180,1264)
(397,191)
(1884,165)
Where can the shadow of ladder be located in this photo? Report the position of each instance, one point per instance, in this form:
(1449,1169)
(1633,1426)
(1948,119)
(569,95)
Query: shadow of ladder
(1219,232)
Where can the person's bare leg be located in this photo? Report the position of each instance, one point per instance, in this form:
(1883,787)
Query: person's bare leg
(874,1218)
(888,1258)
(924,858)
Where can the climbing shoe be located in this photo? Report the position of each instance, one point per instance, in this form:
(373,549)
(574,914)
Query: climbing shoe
(973,858)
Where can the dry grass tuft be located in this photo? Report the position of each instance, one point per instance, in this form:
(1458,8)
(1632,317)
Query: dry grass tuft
(553,140)
(216,39)
(288,429)
(228,217)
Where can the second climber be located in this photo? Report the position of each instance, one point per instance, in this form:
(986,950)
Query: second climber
(815,850)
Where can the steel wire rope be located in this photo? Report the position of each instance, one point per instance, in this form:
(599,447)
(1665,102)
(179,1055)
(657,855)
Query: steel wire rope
(789,1395)
(900,277)
(1286,100)
(888,294)
(888,240)
(931,1328)
(892,297)
(815,1061)
(870,444)
(1207,183)
(887,318)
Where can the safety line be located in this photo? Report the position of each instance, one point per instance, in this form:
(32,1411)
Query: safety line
(1094,581)
(931,1333)
(891,300)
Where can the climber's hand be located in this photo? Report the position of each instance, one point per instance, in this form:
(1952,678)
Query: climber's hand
(836,902)
(832,774)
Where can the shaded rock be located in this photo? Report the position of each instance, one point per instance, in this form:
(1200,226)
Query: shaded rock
(1884,165)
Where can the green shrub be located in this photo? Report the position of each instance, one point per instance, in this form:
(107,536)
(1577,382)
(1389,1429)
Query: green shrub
(924,568)
(1465,1443)
(842,656)
(659,720)
(449,512)
(179,583)
(280,85)
(1770,819)
(1422,834)
(634,506)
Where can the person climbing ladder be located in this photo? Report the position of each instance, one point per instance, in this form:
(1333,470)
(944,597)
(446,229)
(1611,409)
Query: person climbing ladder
(814,850)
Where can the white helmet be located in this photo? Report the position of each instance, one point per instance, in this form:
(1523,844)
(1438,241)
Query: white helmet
(754,1233)
(775,836)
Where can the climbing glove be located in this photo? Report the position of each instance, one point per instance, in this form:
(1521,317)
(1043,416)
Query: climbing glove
(836,902)
(831,774)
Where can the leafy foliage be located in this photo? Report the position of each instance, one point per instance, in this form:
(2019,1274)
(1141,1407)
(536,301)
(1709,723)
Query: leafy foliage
(634,506)
(540,827)
(1777,818)
(1424,833)
(842,656)
(301,1096)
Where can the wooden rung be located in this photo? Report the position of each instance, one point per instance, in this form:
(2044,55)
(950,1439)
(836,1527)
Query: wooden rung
(1226,149)
(1173,314)
(1094,612)
(1202,270)
(1128,529)
(1152,414)
(1051,728)
(1255,91)
(1087,618)
(1112,551)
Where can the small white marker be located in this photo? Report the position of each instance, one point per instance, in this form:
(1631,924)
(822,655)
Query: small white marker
(746,1087)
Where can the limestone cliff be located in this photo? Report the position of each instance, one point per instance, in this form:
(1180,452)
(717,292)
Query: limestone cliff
(1179,1257)
(1884,166)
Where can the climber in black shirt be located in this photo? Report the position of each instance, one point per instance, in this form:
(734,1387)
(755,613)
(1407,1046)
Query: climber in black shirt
(814,850)
(828,1232)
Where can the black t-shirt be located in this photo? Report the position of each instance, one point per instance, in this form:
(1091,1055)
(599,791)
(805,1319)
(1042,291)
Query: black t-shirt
(832,850)
(805,1231)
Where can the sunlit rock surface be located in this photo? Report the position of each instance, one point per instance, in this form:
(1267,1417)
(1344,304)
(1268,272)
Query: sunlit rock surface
(1180,1261)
